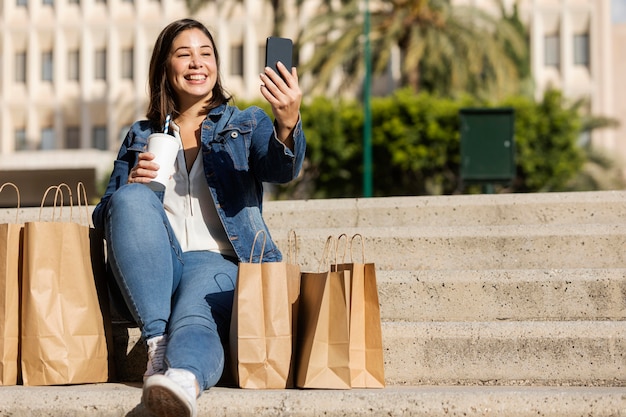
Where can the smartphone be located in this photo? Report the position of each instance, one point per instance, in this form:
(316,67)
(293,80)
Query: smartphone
(278,49)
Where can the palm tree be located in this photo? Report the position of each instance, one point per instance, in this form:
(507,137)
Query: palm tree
(443,48)
(279,7)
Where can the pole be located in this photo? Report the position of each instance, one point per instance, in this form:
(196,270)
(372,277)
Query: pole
(367,122)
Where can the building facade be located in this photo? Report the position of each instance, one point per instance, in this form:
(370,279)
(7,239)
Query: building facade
(73,73)
(571,44)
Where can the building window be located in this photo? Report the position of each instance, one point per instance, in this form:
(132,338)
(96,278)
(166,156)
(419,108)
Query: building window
(73,65)
(72,137)
(552,50)
(48,2)
(47,139)
(21,3)
(581,49)
(21,144)
(99,140)
(127,64)
(20,67)
(236,60)
(101,64)
(46,66)
(73,1)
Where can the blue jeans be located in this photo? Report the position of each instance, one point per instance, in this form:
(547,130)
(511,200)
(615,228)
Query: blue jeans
(186,295)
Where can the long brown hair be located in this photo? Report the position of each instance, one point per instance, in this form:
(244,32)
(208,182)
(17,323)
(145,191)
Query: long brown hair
(162,97)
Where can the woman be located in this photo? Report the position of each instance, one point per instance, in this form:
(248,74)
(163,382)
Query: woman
(174,253)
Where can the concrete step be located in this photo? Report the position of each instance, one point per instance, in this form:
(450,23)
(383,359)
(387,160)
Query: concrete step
(118,400)
(514,246)
(457,210)
(541,246)
(504,353)
(509,305)
(483,315)
(466,353)
(503,294)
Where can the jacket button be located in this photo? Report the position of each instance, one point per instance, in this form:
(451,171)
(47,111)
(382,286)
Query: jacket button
(234,135)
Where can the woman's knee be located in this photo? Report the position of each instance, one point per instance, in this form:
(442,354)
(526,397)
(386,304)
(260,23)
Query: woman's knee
(134,198)
(132,194)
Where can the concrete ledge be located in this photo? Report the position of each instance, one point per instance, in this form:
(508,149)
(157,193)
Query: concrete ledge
(117,400)
(505,353)
(503,294)
(456,210)
(502,353)
(473,247)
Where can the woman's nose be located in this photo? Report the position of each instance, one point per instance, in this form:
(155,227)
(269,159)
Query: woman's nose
(195,61)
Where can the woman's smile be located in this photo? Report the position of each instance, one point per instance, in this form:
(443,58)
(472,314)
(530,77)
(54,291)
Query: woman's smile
(192,67)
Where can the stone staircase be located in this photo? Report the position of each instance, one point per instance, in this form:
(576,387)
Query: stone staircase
(492,305)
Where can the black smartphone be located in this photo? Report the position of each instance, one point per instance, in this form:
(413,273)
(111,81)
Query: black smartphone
(278,49)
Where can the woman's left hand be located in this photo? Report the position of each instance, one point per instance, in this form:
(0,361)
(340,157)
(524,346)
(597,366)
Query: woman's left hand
(284,95)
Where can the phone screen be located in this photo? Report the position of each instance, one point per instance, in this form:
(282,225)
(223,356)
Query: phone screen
(278,49)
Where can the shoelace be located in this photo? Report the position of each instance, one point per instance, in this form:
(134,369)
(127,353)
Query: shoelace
(156,355)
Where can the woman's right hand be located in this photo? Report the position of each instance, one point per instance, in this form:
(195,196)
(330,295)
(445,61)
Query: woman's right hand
(145,170)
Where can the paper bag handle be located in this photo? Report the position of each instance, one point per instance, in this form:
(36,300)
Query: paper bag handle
(81,191)
(17,191)
(58,192)
(56,196)
(325,260)
(292,247)
(357,235)
(345,248)
(254,245)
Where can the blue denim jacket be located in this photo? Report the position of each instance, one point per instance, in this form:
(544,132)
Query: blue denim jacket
(240,152)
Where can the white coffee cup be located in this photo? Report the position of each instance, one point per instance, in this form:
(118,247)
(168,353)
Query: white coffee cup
(165,149)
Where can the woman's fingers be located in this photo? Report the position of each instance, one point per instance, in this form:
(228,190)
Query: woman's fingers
(145,170)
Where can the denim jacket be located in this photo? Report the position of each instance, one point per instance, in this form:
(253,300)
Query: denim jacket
(240,152)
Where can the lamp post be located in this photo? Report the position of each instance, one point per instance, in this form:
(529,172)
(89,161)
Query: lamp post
(367,121)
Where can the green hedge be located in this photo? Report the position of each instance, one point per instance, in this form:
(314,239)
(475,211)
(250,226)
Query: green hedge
(415,145)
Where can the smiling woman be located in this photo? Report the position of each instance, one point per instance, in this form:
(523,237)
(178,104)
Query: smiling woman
(173,253)
(192,68)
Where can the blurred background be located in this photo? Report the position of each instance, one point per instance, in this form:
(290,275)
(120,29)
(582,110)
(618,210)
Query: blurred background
(385,83)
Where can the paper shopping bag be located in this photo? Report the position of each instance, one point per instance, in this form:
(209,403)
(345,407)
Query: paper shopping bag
(98,263)
(366,341)
(261,325)
(63,339)
(323,333)
(10,259)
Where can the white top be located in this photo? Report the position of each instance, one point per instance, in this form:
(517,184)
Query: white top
(190,207)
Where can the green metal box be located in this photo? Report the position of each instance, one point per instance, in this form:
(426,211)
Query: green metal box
(487,145)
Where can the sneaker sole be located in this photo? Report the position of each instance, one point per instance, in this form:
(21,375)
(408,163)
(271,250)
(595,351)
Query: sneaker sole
(164,398)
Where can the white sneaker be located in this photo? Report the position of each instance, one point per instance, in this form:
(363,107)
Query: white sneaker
(156,356)
(171,395)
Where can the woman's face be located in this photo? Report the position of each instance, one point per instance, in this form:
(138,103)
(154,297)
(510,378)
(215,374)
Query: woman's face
(192,70)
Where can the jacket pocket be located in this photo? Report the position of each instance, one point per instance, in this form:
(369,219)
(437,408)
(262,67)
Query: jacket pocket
(236,141)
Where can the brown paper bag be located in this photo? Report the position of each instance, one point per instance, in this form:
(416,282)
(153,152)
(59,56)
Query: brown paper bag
(10,259)
(261,344)
(63,339)
(323,333)
(97,249)
(366,340)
